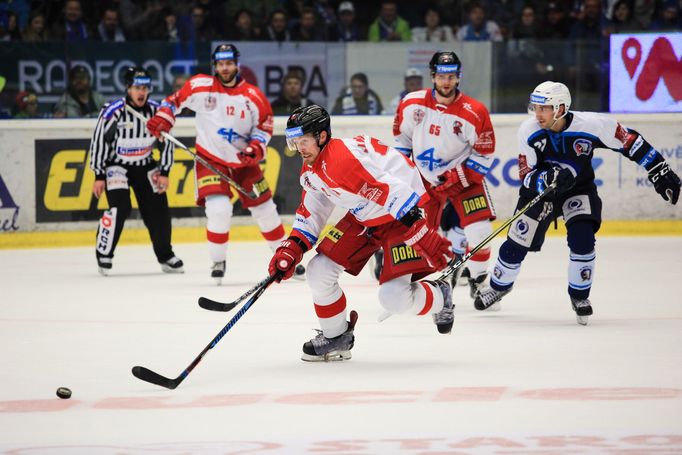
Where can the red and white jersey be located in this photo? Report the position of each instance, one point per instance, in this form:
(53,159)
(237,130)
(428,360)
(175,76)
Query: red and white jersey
(377,184)
(440,137)
(227,118)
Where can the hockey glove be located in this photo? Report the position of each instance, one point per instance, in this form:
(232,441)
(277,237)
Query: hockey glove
(162,122)
(666,182)
(563,177)
(252,154)
(286,257)
(429,244)
(453,182)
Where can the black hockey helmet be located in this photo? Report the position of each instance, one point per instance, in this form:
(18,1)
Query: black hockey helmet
(309,119)
(445,62)
(225,52)
(136,75)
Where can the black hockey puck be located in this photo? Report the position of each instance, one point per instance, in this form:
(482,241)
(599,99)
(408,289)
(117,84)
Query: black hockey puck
(64,392)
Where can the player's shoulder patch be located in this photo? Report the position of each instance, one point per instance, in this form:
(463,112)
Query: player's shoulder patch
(113,107)
(200,80)
(153,103)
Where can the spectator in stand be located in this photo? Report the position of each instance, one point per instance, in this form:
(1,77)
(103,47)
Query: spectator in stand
(260,9)
(479,28)
(276,29)
(307,28)
(172,34)
(345,29)
(9,26)
(358,99)
(71,27)
(643,11)
(526,27)
(325,13)
(389,26)
(505,13)
(79,100)
(590,27)
(35,31)
(214,15)
(433,31)
(291,95)
(668,18)
(622,20)
(556,25)
(243,28)
(27,105)
(413,82)
(200,29)
(108,29)
(143,19)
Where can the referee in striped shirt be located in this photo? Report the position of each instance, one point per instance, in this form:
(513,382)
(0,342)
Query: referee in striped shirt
(121,157)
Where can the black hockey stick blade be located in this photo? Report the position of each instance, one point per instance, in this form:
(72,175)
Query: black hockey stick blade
(212,305)
(147,375)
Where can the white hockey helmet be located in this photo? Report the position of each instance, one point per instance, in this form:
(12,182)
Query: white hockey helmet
(553,94)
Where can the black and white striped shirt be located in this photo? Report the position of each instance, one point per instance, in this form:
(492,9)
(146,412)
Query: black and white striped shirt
(121,138)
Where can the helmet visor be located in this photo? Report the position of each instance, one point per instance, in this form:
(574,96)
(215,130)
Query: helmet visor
(292,134)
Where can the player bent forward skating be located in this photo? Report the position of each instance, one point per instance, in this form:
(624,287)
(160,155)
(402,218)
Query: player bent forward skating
(382,191)
(557,145)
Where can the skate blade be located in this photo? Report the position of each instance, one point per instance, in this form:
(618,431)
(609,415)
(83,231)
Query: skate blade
(167,269)
(582,320)
(383,316)
(333,356)
(494,307)
(102,271)
(218,280)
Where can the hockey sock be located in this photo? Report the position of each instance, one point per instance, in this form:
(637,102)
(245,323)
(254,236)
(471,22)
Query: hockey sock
(218,219)
(458,239)
(269,222)
(507,266)
(580,274)
(475,234)
(400,296)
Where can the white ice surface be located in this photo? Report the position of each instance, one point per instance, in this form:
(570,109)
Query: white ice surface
(525,380)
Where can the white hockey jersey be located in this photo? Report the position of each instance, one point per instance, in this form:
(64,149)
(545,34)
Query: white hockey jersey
(440,137)
(374,182)
(227,118)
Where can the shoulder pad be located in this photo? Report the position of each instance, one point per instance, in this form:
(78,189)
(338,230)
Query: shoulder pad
(112,107)
(201,80)
(419,94)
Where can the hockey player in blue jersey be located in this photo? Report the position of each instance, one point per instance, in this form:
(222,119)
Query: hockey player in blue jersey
(557,145)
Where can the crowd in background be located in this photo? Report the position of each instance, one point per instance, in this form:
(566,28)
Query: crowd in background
(330,20)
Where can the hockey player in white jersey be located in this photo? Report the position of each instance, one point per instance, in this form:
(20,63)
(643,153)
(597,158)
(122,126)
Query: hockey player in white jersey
(234,126)
(557,145)
(383,193)
(450,138)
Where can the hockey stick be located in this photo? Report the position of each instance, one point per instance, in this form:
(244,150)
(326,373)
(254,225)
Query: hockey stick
(214,305)
(253,194)
(452,266)
(148,375)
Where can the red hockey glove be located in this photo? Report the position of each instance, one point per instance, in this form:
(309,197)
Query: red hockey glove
(286,257)
(162,122)
(429,244)
(252,154)
(453,181)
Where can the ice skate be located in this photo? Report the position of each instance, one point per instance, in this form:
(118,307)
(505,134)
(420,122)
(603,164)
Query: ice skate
(323,349)
(582,308)
(488,298)
(476,284)
(299,273)
(173,265)
(445,317)
(104,265)
(457,275)
(378,264)
(218,271)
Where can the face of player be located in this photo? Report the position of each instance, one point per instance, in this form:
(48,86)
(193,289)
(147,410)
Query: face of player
(138,94)
(445,84)
(226,70)
(307,147)
(545,116)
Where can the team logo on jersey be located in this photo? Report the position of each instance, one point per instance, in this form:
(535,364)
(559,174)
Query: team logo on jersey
(370,193)
(497,272)
(523,166)
(403,253)
(210,103)
(582,147)
(521,227)
(418,116)
(307,183)
(586,273)
(457,127)
(474,204)
(575,204)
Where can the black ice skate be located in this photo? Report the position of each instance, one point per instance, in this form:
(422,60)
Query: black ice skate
(476,284)
(583,310)
(104,265)
(378,264)
(445,317)
(487,299)
(218,271)
(299,273)
(173,265)
(457,276)
(323,349)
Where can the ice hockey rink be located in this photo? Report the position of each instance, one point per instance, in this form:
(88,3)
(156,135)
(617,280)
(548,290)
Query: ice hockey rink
(525,380)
